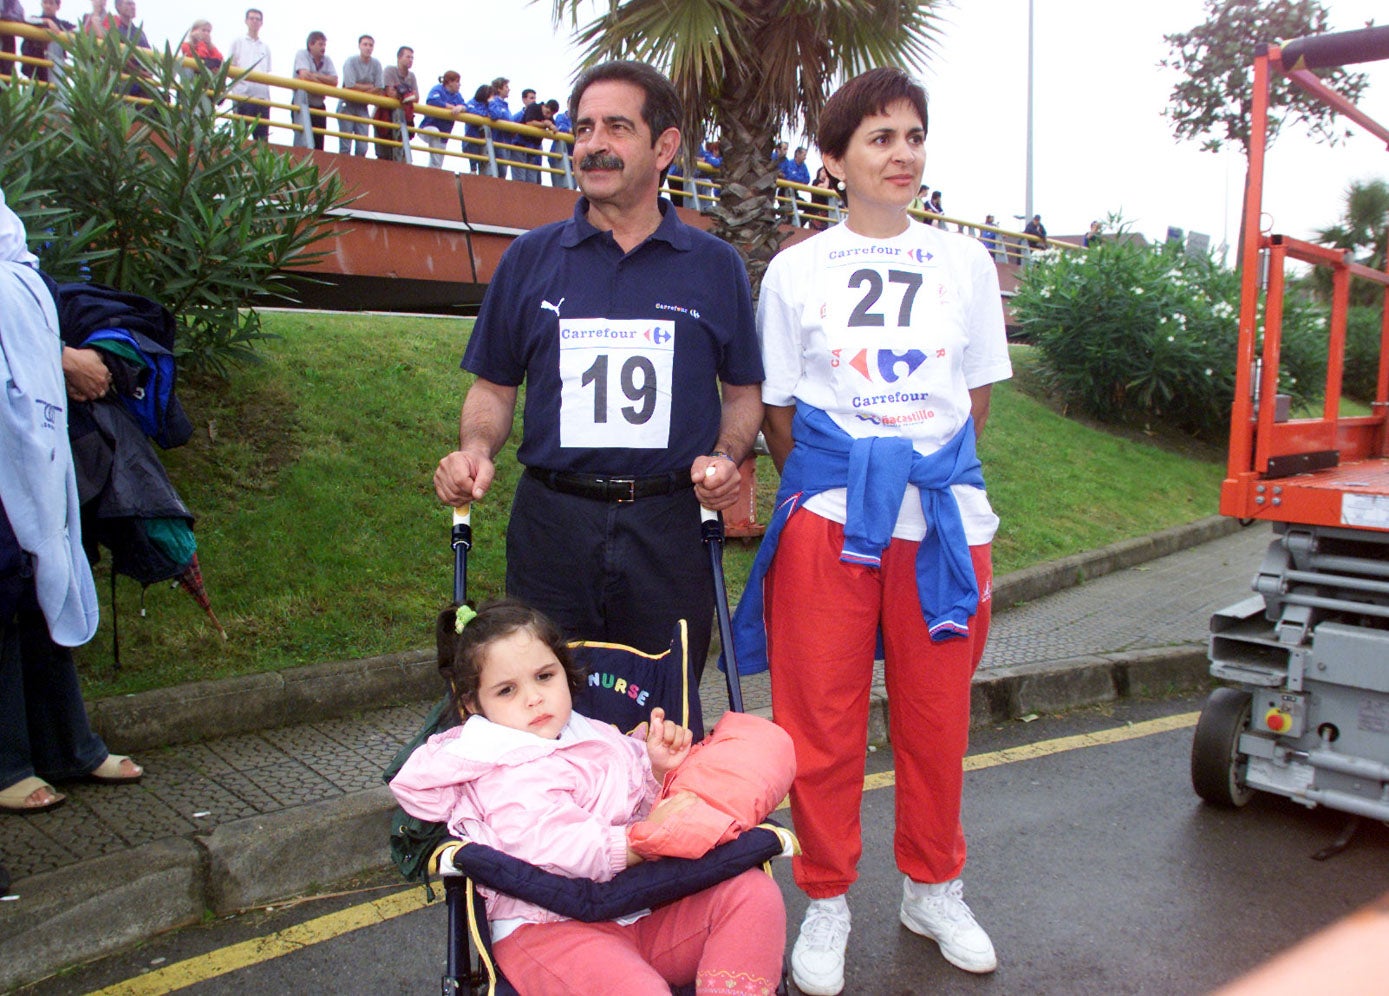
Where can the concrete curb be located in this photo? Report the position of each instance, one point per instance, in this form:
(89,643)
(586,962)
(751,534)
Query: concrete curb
(204,709)
(1032,583)
(99,906)
(201,710)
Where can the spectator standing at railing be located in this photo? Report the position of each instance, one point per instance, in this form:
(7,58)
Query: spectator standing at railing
(402,85)
(252,53)
(935,207)
(50,49)
(710,154)
(559,146)
(125,23)
(537,115)
(1038,231)
(820,203)
(131,31)
(779,152)
(10,10)
(364,74)
(527,98)
(499,110)
(99,21)
(1092,236)
(198,45)
(478,106)
(795,169)
(445,96)
(312,65)
(993,242)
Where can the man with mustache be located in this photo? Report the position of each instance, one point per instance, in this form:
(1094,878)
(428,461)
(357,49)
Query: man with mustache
(624,323)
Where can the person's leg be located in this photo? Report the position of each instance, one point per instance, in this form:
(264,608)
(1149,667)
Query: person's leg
(436,159)
(658,571)
(582,959)
(348,129)
(62,743)
(727,939)
(822,673)
(555,546)
(16,764)
(319,117)
(928,688)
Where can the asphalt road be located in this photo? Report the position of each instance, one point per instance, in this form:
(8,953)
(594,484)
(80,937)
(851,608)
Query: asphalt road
(1092,864)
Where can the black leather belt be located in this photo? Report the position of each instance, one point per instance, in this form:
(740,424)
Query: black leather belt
(610,488)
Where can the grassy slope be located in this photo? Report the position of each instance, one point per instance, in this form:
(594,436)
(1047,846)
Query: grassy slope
(320,537)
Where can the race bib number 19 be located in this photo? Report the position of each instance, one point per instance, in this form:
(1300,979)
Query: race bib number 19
(616,378)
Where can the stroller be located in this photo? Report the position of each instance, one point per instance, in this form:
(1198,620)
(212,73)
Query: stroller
(624,685)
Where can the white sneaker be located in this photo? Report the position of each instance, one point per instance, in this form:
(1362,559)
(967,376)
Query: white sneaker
(940,913)
(817,960)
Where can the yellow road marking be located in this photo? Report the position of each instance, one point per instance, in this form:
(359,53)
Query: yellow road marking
(171,978)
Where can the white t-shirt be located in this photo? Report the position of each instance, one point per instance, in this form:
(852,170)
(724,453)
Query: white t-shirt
(887,336)
(250,53)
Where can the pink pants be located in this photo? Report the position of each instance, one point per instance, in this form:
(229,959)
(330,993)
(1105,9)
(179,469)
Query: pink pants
(822,620)
(728,939)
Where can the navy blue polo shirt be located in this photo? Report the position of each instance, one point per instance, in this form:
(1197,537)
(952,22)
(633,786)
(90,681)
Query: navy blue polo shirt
(621,354)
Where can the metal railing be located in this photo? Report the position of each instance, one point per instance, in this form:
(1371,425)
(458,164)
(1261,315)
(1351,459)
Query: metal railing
(497,147)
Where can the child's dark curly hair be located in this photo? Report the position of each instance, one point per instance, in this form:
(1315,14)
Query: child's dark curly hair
(461,654)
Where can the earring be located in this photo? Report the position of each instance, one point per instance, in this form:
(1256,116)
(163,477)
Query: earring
(839,185)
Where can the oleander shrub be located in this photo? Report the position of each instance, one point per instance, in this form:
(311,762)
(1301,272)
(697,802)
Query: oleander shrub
(1139,335)
(1361,372)
(160,196)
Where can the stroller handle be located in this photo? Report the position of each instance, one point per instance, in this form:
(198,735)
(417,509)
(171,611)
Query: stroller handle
(711,530)
(461,538)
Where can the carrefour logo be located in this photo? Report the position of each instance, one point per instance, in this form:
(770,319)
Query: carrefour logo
(889,365)
(920,255)
(660,336)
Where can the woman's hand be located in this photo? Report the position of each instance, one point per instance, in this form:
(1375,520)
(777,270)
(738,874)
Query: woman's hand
(667,743)
(86,374)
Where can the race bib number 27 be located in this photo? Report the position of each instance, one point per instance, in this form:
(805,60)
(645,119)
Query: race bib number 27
(615,377)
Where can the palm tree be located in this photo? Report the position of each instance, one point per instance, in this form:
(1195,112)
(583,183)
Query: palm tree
(1364,230)
(749,68)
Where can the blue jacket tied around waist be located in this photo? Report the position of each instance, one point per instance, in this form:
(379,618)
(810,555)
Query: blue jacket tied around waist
(876,471)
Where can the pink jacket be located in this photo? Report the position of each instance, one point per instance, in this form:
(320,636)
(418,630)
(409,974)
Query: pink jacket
(740,773)
(563,805)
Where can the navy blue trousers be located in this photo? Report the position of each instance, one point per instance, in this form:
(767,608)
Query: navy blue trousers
(43,721)
(621,572)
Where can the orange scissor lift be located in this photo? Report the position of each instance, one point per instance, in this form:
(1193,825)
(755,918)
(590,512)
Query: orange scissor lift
(1305,711)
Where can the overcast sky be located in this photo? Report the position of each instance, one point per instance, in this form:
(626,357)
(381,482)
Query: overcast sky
(1101,143)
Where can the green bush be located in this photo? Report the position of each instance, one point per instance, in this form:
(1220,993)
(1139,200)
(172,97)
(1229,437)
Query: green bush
(1139,335)
(162,198)
(1361,373)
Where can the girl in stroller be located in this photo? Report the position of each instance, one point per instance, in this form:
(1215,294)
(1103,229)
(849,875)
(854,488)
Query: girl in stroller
(527,775)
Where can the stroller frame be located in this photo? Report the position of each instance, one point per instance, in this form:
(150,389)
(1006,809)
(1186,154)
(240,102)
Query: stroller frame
(463,864)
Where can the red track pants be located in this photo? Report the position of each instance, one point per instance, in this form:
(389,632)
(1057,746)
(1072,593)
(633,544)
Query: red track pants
(822,621)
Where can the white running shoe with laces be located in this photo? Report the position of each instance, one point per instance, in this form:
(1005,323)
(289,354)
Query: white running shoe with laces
(817,960)
(940,913)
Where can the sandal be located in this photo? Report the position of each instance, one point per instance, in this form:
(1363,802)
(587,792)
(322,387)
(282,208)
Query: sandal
(18,798)
(113,771)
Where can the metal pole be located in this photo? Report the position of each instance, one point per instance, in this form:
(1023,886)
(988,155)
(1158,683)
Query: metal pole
(1030,49)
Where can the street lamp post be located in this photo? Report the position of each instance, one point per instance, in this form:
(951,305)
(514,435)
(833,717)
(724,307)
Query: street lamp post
(1028,194)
